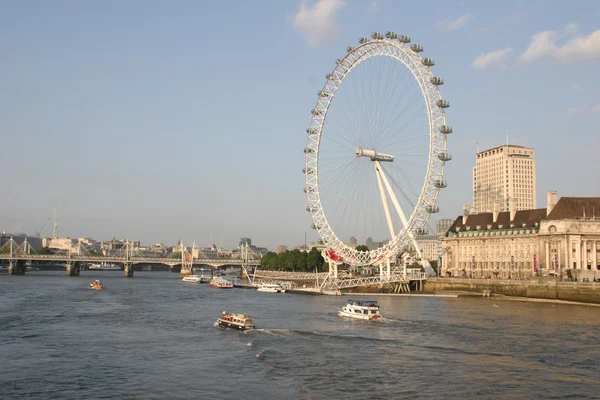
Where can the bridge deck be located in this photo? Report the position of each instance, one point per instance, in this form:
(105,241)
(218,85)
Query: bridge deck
(131,260)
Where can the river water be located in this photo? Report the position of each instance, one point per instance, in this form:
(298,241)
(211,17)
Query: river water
(153,337)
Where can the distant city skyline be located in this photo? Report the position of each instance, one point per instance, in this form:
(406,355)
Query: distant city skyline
(156,122)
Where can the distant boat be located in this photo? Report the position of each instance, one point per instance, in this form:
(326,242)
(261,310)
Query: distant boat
(235,321)
(192,279)
(96,284)
(368,310)
(271,288)
(220,283)
(104,267)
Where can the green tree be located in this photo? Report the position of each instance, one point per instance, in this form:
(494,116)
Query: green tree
(282,260)
(362,247)
(314,259)
(268,261)
(299,260)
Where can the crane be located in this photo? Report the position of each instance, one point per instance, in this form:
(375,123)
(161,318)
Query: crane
(38,232)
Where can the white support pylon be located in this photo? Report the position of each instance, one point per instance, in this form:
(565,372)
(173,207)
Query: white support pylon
(398,208)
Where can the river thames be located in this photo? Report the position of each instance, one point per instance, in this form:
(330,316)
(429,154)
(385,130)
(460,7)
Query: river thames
(153,337)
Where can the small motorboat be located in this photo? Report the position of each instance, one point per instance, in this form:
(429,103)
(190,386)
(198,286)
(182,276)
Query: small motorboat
(271,288)
(368,310)
(96,284)
(220,283)
(240,322)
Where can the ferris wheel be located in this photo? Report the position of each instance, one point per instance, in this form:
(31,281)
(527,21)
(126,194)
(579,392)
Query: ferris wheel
(376,151)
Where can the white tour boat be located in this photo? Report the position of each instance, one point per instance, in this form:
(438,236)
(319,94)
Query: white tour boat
(192,279)
(368,309)
(235,321)
(271,288)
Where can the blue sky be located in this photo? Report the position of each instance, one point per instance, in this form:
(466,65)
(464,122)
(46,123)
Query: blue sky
(155,120)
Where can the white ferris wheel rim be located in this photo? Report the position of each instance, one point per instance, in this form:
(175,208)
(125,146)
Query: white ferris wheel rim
(396,47)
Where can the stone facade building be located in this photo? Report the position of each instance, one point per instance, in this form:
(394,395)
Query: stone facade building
(562,239)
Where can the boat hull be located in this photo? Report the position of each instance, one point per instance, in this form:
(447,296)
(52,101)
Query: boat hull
(230,325)
(270,290)
(359,316)
(220,287)
(96,287)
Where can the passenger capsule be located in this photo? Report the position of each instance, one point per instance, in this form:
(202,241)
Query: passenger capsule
(338,61)
(404,39)
(432,209)
(315,226)
(428,62)
(349,49)
(312,131)
(322,93)
(363,40)
(307,171)
(308,150)
(444,156)
(391,35)
(376,35)
(308,190)
(331,77)
(417,48)
(311,209)
(440,183)
(421,231)
(445,129)
(436,80)
(315,111)
(442,103)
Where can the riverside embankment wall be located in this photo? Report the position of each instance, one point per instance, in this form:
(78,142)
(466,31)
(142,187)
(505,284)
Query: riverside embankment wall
(541,288)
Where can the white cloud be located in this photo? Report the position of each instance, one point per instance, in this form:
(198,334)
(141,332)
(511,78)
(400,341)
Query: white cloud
(571,29)
(493,59)
(576,49)
(454,24)
(317,22)
(373,7)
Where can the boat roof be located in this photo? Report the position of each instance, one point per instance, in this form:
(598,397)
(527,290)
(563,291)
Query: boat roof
(363,302)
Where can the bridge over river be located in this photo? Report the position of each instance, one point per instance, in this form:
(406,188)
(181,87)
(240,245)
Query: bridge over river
(19,256)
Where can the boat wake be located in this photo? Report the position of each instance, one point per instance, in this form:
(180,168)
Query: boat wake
(288,332)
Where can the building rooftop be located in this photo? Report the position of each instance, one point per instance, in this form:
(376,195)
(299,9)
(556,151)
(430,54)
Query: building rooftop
(527,217)
(516,146)
(576,207)
(565,208)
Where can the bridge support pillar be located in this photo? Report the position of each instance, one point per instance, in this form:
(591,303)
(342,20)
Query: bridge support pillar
(73,268)
(16,267)
(128,270)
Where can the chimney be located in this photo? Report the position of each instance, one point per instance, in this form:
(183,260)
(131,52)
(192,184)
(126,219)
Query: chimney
(472,211)
(513,210)
(552,196)
(496,212)
(465,214)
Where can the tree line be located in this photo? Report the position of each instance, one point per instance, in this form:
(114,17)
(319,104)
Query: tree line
(294,260)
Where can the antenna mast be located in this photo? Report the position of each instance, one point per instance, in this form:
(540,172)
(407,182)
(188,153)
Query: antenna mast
(55,227)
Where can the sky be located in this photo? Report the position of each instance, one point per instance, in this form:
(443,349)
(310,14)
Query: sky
(155,120)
